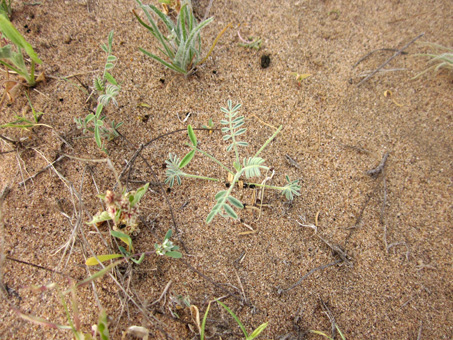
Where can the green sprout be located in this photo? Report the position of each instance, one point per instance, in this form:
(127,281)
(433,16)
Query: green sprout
(248,336)
(107,88)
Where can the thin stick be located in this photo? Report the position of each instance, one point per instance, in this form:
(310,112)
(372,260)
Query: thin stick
(164,293)
(3,195)
(397,53)
(377,50)
(376,171)
(280,290)
(42,170)
(419,336)
(331,318)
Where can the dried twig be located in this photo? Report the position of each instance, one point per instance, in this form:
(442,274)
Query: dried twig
(376,171)
(330,316)
(397,53)
(281,290)
(42,170)
(338,251)
(377,50)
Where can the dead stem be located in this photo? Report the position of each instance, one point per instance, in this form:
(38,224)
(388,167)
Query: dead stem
(397,53)
(376,171)
(330,316)
(281,290)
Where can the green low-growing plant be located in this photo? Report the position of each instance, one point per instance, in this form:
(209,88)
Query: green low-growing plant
(122,210)
(439,61)
(107,88)
(14,60)
(181,44)
(250,42)
(250,167)
(252,336)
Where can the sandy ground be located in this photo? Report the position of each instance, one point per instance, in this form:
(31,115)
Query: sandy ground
(389,236)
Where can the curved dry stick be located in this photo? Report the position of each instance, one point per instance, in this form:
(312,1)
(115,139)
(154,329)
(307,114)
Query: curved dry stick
(397,53)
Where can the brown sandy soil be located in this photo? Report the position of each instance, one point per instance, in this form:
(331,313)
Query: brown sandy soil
(395,228)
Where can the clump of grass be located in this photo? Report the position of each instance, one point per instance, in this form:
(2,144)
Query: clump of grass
(438,61)
(181,44)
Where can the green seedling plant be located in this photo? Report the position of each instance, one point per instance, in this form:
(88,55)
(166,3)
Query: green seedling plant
(250,167)
(251,42)
(328,337)
(181,44)
(108,89)
(440,61)
(14,60)
(122,210)
(24,123)
(252,336)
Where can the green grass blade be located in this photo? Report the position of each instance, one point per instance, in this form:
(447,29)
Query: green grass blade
(257,331)
(170,66)
(203,323)
(12,34)
(235,318)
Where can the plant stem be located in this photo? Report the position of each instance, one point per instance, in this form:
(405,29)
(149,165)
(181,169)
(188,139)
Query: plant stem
(269,140)
(32,81)
(202,177)
(212,158)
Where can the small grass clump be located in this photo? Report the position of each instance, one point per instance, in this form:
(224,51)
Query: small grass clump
(181,44)
(438,61)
